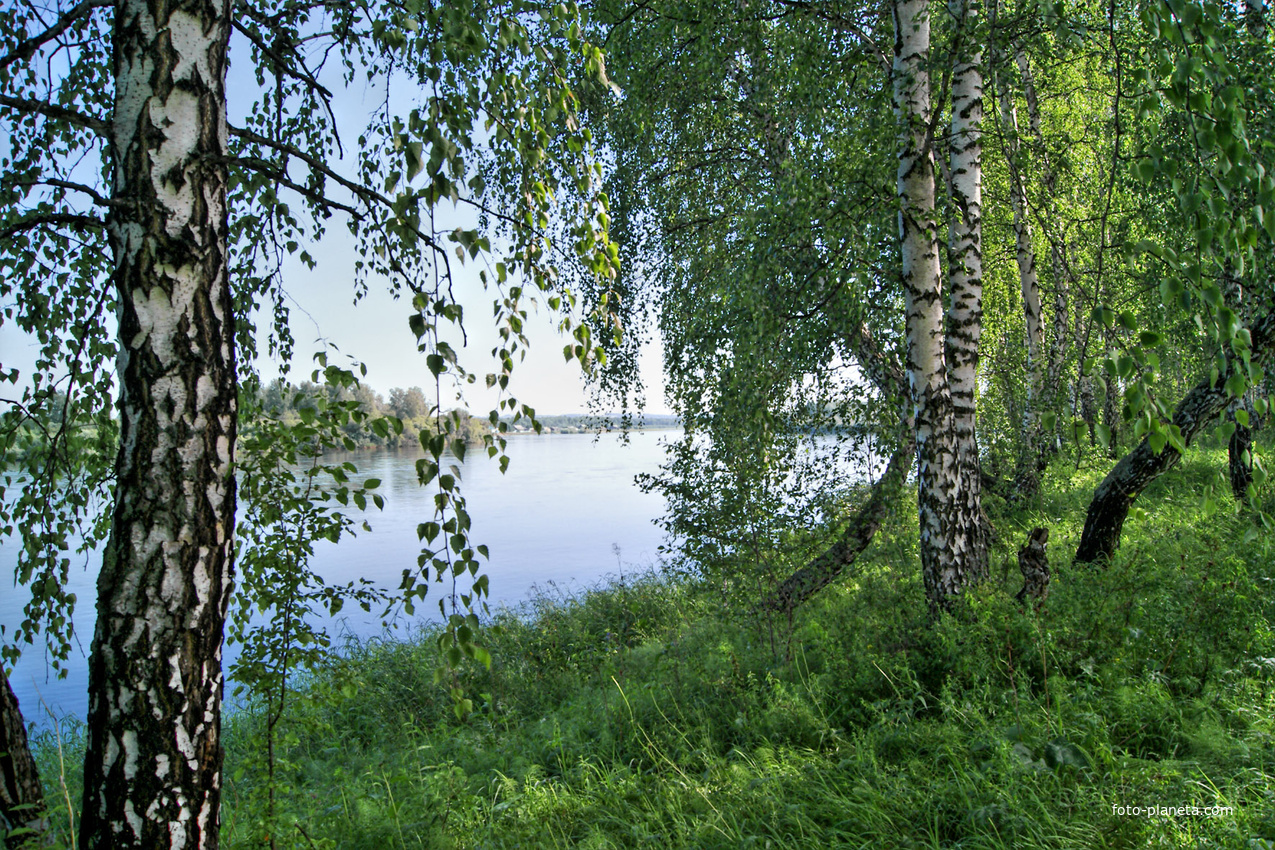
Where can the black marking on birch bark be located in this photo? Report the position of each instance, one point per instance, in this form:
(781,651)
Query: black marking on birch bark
(152,769)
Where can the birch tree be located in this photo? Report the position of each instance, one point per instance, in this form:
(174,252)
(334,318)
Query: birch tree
(153,764)
(127,190)
(769,179)
(942,349)
(1218,185)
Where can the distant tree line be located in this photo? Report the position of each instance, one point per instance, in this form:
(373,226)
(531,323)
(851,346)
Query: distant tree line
(289,403)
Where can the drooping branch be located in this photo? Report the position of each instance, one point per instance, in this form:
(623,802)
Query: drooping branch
(277,174)
(282,63)
(358,190)
(362,192)
(301,74)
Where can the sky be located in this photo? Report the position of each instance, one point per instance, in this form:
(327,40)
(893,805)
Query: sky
(376,331)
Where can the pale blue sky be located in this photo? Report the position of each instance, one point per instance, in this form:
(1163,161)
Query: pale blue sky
(376,333)
(376,330)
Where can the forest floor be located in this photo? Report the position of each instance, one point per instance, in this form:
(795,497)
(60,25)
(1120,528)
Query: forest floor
(1134,708)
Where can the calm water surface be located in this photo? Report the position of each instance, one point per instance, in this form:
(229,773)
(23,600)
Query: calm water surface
(554,519)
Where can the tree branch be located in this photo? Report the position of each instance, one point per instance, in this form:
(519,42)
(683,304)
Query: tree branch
(26,49)
(282,62)
(275,173)
(363,193)
(97,197)
(886,63)
(57,219)
(57,113)
(303,74)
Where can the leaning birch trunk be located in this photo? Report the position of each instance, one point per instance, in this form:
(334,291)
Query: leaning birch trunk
(862,526)
(1198,409)
(949,533)
(153,766)
(965,275)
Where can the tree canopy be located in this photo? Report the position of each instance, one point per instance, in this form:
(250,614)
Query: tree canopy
(1092,212)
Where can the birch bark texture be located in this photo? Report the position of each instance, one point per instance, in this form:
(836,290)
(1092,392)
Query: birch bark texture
(952,541)
(21,795)
(153,765)
(965,278)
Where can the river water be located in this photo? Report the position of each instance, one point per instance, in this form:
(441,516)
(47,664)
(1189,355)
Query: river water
(567,515)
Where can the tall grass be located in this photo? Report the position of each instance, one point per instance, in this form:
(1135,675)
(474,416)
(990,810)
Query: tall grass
(647,713)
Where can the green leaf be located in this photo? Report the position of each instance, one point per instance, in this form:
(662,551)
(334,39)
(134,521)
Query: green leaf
(412,151)
(1157,439)
(417,323)
(1236,385)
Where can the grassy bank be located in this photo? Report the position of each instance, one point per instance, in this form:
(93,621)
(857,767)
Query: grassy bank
(650,714)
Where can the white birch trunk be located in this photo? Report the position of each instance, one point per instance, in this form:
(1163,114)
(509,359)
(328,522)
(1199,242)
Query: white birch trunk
(949,547)
(1025,254)
(1061,277)
(965,277)
(153,765)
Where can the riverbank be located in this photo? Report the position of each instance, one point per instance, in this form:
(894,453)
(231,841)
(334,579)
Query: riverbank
(651,712)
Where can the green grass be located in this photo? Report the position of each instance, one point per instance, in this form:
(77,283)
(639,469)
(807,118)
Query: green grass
(655,714)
